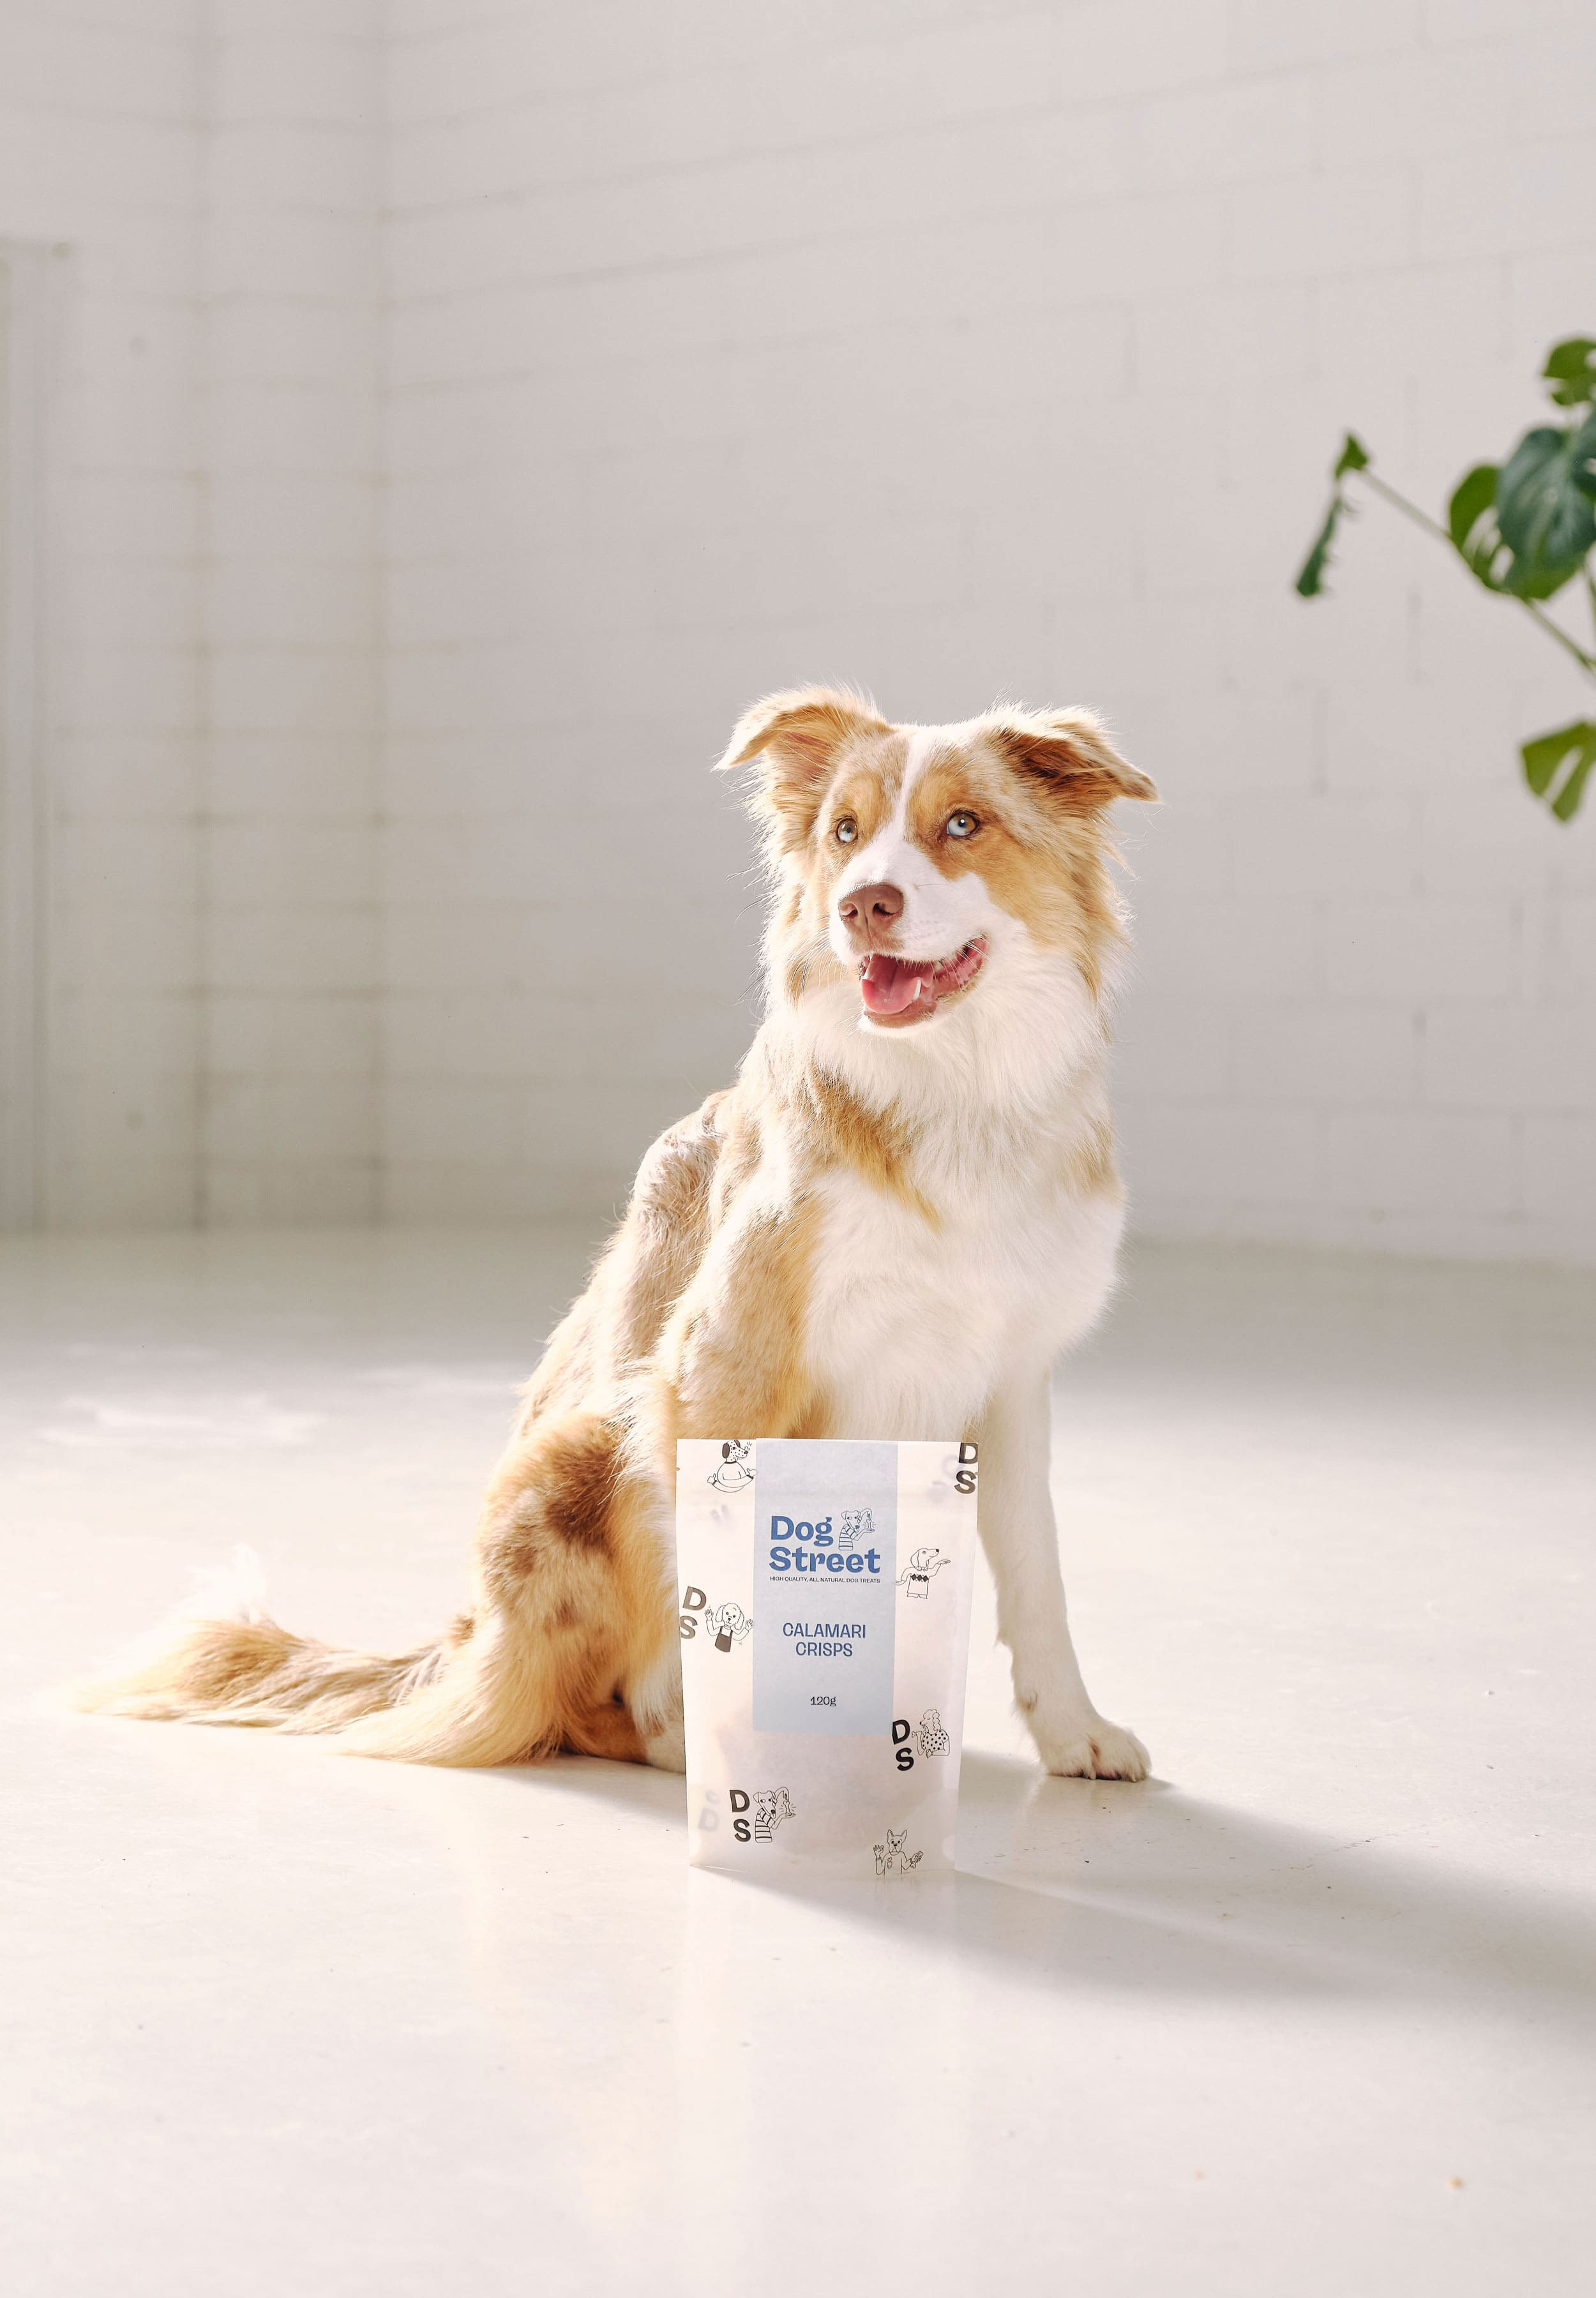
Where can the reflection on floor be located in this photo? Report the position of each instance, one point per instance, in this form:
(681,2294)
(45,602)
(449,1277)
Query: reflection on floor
(1309,2013)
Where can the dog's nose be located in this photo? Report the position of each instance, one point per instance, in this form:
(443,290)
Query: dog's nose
(870,908)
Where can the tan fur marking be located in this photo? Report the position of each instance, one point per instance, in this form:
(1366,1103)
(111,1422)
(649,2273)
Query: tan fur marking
(864,788)
(1087,1168)
(255,1673)
(739,1161)
(841,1129)
(579,1475)
(605,1728)
(1044,865)
(742,1368)
(800,736)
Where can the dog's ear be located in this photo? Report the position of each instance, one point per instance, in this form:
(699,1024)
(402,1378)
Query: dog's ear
(1068,757)
(798,735)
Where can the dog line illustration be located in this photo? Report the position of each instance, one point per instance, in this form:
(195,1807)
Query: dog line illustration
(771,1805)
(894,1848)
(727,1625)
(931,1738)
(855,1526)
(734,1474)
(921,1570)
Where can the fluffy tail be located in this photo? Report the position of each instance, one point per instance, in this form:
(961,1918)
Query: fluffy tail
(480,1694)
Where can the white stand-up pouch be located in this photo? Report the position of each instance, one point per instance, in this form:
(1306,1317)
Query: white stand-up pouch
(825,1598)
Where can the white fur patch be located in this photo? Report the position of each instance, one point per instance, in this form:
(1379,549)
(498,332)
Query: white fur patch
(940,914)
(233,1590)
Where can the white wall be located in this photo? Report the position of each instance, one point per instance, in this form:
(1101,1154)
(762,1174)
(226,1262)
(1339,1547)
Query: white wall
(962,350)
(291,603)
(100,158)
(471,403)
(208,176)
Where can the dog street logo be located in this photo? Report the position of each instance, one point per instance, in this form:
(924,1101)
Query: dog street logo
(929,1736)
(756,1815)
(724,1625)
(735,1473)
(894,1850)
(770,1806)
(855,1527)
(921,1570)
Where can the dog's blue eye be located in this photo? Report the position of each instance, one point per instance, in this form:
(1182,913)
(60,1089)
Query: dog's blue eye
(961,825)
(847,831)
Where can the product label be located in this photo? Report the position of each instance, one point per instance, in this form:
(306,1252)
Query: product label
(825,1569)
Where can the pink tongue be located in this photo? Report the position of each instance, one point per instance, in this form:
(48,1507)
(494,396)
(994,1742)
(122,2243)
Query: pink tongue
(889,985)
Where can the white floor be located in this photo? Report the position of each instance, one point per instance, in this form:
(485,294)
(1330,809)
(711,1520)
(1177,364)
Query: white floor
(1309,2016)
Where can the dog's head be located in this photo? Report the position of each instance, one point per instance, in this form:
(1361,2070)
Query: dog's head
(922,865)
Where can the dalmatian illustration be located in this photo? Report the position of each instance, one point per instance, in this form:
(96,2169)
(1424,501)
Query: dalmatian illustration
(894,1848)
(855,1527)
(932,1738)
(771,1805)
(921,1570)
(735,1473)
(727,1623)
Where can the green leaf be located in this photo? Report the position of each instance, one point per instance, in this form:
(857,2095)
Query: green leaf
(1526,528)
(1582,455)
(1471,519)
(1311,581)
(1566,758)
(1353,456)
(1543,514)
(1570,371)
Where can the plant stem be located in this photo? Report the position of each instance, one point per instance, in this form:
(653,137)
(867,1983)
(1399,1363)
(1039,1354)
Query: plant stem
(1587,662)
(1402,504)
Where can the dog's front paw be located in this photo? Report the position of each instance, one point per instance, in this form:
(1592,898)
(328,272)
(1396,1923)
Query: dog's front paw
(1094,1749)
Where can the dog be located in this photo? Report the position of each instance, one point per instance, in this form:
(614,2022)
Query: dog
(892,1223)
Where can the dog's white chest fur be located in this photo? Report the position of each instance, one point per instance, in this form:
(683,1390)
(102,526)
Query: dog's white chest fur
(911,1326)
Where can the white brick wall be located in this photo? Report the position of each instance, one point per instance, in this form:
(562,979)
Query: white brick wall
(99,159)
(290,939)
(210,174)
(967,349)
(956,347)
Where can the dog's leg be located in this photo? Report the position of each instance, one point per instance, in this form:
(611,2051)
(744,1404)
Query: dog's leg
(1020,1538)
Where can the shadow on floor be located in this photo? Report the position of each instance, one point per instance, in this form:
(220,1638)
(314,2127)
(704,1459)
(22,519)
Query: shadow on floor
(1080,1884)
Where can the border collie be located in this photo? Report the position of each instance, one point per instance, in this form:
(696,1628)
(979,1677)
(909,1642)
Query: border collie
(890,1226)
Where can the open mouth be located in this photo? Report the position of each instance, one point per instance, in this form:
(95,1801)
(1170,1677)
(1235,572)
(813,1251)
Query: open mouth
(900,989)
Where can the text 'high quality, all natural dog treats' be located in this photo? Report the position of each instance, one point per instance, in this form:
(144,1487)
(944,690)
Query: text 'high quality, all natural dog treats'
(824,1592)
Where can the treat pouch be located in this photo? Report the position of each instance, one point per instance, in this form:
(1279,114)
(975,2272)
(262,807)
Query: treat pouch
(823,1591)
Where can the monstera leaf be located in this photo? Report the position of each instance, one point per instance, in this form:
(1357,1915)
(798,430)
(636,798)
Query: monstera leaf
(1582,455)
(1564,758)
(1570,373)
(1471,521)
(1523,529)
(1526,528)
(1546,518)
(1353,456)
